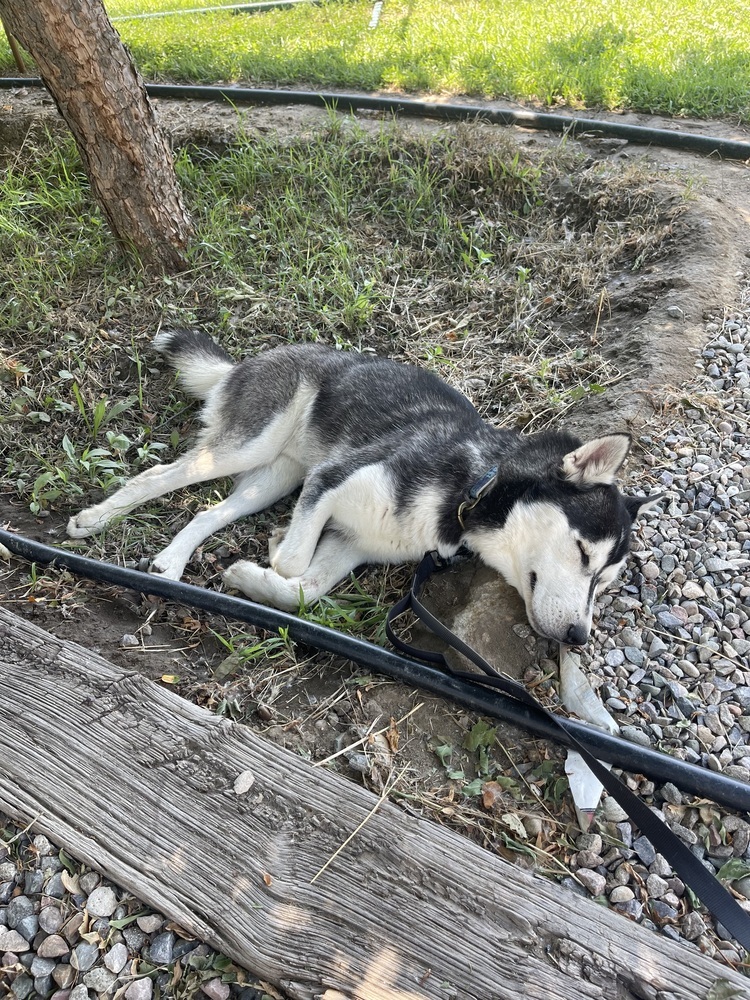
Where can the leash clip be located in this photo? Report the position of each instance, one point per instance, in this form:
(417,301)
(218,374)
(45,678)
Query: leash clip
(480,489)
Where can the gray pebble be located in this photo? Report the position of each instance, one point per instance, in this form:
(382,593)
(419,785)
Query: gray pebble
(100,980)
(22,987)
(64,975)
(134,938)
(84,955)
(28,926)
(150,923)
(116,958)
(53,947)
(89,881)
(634,655)
(589,842)
(42,966)
(11,940)
(657,647)
(644,849)
(33,882)
(670,793)
(161,948)
(55,887)
(18,908)
(669,621)
(215,989)
(635,735)
(656,886)
(621,894)
(140,989)
(102,902)
(593,881)
(661,910)
(50,919)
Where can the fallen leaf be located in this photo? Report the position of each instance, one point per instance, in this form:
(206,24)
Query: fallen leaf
(70,882)
(393,736)
(492,795)
(515,825)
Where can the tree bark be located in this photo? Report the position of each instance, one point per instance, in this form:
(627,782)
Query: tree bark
(101,96)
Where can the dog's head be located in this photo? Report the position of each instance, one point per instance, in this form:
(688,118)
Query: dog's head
(559,529)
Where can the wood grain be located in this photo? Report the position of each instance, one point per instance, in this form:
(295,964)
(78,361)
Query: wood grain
(139,784)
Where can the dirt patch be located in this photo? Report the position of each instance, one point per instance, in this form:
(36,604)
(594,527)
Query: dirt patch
(644,322)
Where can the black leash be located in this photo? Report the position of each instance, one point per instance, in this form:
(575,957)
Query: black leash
(684,863)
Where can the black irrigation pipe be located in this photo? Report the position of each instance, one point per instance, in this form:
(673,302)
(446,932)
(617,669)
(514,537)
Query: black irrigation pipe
(708,145)
(234,8)
(659,767)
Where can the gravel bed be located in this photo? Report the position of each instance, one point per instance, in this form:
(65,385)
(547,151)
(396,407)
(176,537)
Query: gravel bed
(670,653)
(670,657)
(68,933)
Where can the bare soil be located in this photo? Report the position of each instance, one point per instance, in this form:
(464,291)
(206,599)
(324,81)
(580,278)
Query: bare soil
(651,322)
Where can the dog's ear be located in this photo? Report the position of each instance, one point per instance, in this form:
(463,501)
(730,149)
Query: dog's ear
(637,505)
(597,462)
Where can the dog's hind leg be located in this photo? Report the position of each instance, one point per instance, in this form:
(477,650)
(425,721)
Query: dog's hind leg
(196,466)
(253,491)
(334,559)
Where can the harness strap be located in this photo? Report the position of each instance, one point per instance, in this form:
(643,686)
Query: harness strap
(686,865)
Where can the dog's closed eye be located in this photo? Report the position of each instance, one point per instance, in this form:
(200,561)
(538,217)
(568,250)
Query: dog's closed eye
(584,555)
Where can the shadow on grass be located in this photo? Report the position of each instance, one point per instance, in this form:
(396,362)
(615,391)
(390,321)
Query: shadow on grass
(609,67)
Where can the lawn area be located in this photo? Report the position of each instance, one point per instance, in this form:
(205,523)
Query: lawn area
(684,57)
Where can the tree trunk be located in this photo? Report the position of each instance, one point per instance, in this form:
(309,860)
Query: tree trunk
(99,93)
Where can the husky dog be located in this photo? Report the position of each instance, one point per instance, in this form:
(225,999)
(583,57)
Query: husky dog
(392,463)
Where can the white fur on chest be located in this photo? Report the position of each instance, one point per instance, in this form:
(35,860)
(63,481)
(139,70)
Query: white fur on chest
(365,508)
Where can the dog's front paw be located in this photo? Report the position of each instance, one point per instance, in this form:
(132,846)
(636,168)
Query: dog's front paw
(288,564)
(274,542)
(88,522)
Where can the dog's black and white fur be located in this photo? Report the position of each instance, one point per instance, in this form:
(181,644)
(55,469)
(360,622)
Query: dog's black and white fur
(386,455)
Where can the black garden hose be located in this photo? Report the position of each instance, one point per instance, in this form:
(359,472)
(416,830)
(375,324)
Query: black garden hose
(659,767)
(707,145)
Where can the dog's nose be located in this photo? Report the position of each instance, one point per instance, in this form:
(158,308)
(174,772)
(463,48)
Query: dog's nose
(576,635)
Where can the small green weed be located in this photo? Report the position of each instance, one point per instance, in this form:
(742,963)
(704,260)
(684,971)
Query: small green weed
(479,741)
(354,611)
(244,649)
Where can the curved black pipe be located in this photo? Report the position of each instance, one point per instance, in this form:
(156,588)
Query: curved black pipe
(708,145)
(629,756)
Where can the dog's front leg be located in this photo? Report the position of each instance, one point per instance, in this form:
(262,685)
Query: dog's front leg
(293,554)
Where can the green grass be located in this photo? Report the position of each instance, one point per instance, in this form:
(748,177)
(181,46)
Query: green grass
(453,248)
(688,57)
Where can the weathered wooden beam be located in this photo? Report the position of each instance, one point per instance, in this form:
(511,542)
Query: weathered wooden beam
(140,784)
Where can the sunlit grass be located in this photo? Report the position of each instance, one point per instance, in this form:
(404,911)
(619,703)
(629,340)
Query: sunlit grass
(686,57)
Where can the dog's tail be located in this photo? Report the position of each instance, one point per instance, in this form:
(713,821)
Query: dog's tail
(201,363)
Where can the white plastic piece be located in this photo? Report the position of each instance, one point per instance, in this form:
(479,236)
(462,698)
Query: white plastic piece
(578,697)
